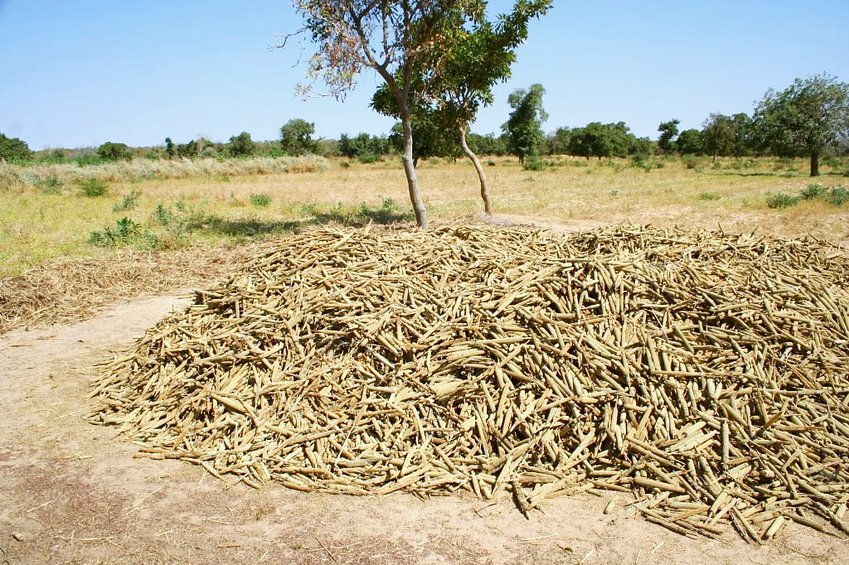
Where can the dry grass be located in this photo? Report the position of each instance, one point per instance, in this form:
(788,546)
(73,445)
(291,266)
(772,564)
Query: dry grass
(48,227)
(76,288)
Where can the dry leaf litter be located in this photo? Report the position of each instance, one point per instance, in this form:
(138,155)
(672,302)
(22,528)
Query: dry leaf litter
(705,373)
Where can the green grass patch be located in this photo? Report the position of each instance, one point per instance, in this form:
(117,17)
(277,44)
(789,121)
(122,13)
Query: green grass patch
(261,200)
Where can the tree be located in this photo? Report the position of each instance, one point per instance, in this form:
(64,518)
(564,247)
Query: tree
(111,151)
(14,149)
(804,119)
(742,130)
(602,140)
(169,148)
(523,128)
(558,142)
(488,144)
(726,135)
(406,43)
(689,142)
(241,145)
(481,58)
(718,135)
(433,137)
(296,137)
(364,146)
(668,133)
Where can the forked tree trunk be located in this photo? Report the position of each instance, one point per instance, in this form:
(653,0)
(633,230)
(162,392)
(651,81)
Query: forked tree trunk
(410,171)
(815,164)
(487,203)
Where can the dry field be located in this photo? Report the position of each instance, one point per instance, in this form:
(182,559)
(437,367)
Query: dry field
(190,226)
(74,493)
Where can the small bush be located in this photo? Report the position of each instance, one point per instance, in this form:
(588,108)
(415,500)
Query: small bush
(88,159)
(50,185)
(533,164)
(367,158)
(690,161)
(780,200)
(93,188)
(125,232)
(709,196)
(813,191)
(838,196)
(129,202)
(261,200)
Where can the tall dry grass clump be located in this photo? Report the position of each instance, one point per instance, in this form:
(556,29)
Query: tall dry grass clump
(53,174)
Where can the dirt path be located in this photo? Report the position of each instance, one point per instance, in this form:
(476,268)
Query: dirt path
(72,492)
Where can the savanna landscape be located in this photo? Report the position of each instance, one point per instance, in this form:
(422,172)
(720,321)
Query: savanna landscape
(431,346)
(70,296)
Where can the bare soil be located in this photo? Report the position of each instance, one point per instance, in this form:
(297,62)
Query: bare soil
(73,492)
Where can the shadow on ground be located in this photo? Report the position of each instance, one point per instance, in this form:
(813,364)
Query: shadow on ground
(353,216)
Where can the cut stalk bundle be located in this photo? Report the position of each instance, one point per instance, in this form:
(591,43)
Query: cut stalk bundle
(706,373)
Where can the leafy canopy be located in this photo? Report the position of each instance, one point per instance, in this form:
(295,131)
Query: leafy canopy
(805,119)
(296,137)
(524,126)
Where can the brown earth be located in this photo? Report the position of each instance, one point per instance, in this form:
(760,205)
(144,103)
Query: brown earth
(72,492)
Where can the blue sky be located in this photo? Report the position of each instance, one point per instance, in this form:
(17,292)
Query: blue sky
(77,73)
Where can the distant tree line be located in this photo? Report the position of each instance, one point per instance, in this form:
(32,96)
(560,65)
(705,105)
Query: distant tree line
(808,119)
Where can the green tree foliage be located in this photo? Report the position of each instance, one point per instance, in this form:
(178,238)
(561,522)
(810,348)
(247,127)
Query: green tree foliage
(111,151)
(296,137)
(668,133)
(718,135)
(14,149)
(742,130)
(241,145)
(364,147)
(170,150)
(805,119)
(489,144)
(558,142)
(187,150)
(433,137)
(726,135)
(689,142)
(601,140)
(524,126)
(481,56)
(396,40)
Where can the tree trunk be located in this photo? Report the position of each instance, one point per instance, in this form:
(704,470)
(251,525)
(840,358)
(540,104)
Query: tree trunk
(815,164)
(487,203)
(410,171)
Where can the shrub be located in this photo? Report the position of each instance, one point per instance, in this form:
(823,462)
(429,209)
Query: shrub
(780,200)
(93,188)
(261,200)
(839,195)
(813,191)
(690,161)
(533,164)
(13,149)
(709,196)
(128,203)
(367,158)
(111,151)
(87,159)
(125,232)
(50,185)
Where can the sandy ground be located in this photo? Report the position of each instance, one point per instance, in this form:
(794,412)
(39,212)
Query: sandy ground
(72,492)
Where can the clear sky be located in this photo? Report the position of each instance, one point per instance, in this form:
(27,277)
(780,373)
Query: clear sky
(76,73)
